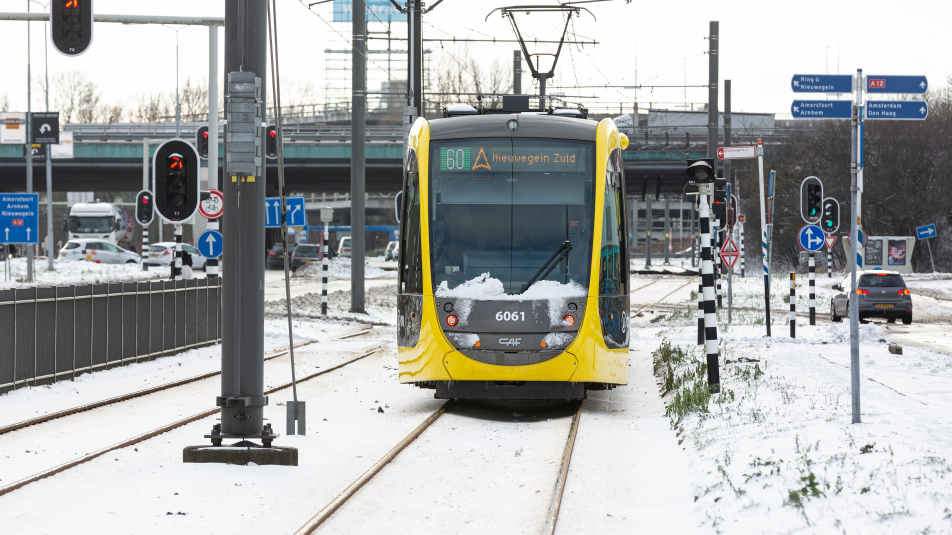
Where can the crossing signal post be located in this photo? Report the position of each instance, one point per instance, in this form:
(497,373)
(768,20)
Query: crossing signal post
(811,200)
(830,220)
(175,184)
(71,25)
(201,142)
(145,212)
(271,143)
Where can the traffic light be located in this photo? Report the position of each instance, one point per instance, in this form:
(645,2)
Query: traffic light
(71,23)
(271,142)
(175,180)
(145,207)
(201,142)
(811,199)
(701,171)
(719,208)
(830,221)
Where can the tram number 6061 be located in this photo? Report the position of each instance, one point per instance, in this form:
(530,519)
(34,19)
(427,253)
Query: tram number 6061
(510,316)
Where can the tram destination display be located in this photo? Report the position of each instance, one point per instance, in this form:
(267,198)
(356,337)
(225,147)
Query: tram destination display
(491,156)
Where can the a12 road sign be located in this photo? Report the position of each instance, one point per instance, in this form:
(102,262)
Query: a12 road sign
(822,83)
(811,238)
(879,83)
(296,215)
(926,232)
(19,217)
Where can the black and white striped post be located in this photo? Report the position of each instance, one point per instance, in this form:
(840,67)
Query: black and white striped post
(717,261)
(324,239)
(700,312)
(829,261)
(742,272)
(793,305)
(707,280)
(812,301)
(211,265)
(145,248)
(177,264)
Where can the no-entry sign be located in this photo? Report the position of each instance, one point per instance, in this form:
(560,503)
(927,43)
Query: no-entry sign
(730,153)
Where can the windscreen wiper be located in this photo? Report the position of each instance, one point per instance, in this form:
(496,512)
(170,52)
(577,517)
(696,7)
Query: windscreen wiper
(557,256)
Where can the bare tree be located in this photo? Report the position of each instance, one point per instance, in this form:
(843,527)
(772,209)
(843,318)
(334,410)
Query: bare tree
(4,102)
(113,113)
(194,100)
(150,108)
(76,97)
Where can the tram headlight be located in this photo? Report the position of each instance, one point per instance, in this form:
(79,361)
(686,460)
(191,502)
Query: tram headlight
(448,307)
(452,320)
(569,320)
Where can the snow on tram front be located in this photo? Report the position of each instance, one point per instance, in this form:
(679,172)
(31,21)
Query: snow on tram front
(514,279)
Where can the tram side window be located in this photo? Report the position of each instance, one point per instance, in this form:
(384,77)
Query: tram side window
(411,254)
(613,276)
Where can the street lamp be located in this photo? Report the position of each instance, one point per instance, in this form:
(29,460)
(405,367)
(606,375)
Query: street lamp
(178,132)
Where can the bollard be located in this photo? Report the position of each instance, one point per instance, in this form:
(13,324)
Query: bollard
(793,305)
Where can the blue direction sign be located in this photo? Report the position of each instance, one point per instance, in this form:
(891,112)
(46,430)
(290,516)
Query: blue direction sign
(822,83)
(897,110)
(876,83)
(296,214)
(821,109)
(926,232)
(811,238)
(210,244)
(19,217)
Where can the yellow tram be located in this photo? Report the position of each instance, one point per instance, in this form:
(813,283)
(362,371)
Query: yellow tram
(514,270)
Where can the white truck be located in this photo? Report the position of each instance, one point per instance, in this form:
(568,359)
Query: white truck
(100,220)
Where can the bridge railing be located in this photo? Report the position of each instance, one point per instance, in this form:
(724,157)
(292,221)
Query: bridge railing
(50,334)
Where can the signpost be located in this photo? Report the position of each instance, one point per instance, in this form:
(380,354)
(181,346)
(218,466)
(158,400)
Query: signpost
(296,215)
(897,110)
(210,244)
(810,238)
(822,83)
(730,153)
(821,109)
(926,233)
(19,217)
(729,253)
(212,205)
(830,240)
(45,128)
(855,111)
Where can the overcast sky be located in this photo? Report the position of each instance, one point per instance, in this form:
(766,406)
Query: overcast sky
(663,43)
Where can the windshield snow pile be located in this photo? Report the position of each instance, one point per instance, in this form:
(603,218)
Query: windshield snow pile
(486,288)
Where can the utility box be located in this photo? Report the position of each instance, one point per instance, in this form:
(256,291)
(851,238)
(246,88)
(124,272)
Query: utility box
(893,253)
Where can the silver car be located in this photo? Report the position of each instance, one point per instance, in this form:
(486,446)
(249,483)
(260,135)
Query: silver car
(162,254)
(98,251)
(882,294)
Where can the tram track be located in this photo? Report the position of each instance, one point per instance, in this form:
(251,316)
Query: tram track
(158,388)
(179,423)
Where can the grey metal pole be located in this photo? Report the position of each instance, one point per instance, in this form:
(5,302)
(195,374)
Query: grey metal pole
(178,130)
(49,165)
(854,244)
(29,145)
(648,223)
(931,259)
(211,268)
(357,153)
(712,91)
(243,225)
(667,230)
(516,72)
(145,186)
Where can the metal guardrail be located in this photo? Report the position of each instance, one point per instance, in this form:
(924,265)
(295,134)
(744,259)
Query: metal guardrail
(50,334)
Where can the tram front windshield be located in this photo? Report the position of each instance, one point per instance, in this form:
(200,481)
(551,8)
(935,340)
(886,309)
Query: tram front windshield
(504,206)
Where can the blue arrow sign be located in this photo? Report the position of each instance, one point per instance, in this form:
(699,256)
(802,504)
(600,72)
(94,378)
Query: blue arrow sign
(926,232)
(19,217)
(896,84)
(811,238)
(210,244)
(296,215)
(897,110)
(821,109)
(822,83)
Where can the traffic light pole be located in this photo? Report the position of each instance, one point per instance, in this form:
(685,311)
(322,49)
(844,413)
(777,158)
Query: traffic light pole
(763,234)
(855,122)
(211,267)
(177,264)
(28,151)
(357,154)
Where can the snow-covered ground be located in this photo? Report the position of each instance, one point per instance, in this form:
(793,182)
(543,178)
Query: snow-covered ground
(74,273)
(775,452)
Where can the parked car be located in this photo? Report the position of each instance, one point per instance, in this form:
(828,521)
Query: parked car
(99,251)
(882,294)
(305,254)
(343,248)
(390,253)
(275,258)
(163,253)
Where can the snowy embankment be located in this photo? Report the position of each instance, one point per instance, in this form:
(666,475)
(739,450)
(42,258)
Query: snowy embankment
(339,268)
(73,272)
(776,451)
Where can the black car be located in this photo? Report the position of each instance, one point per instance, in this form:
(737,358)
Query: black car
(305,254)
(275,259)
